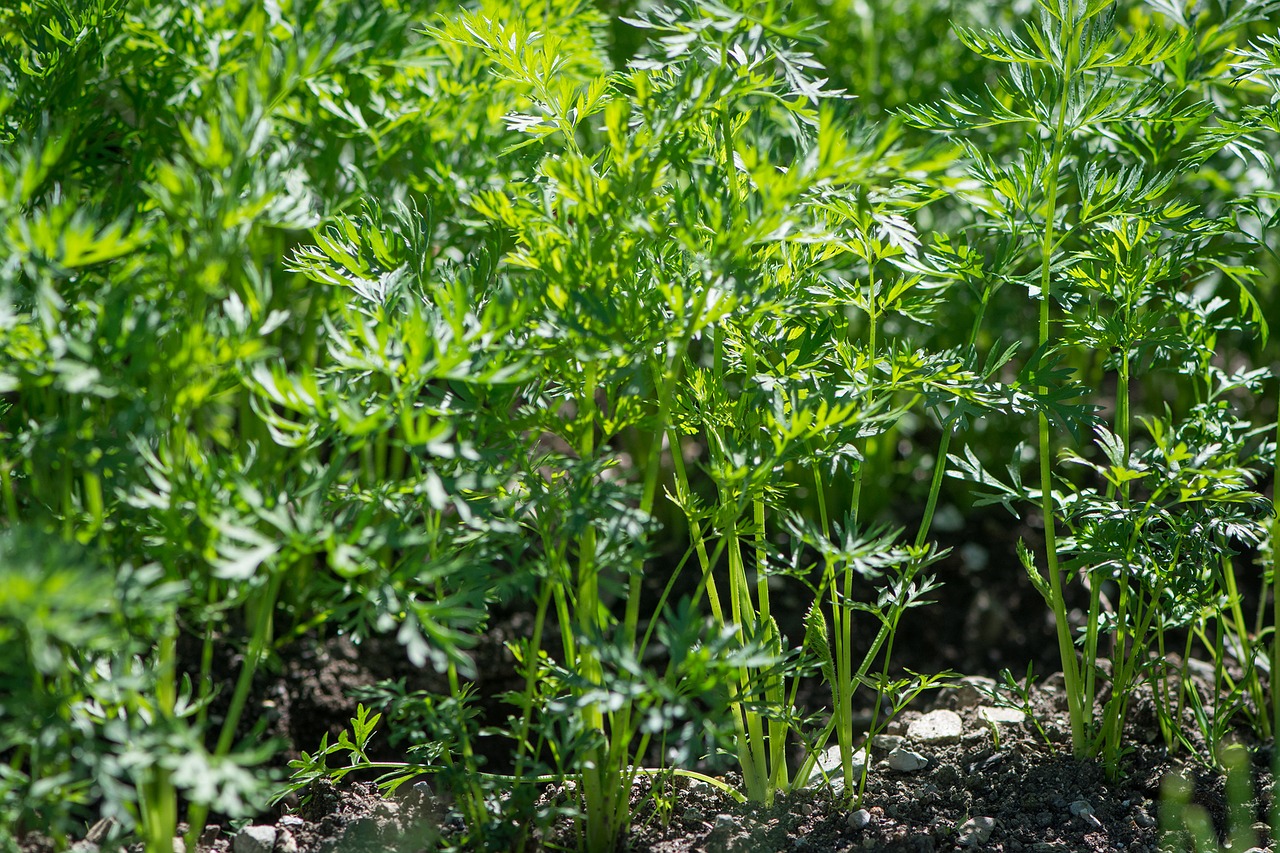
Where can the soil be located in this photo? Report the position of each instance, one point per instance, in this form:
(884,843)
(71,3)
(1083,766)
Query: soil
(1016,780)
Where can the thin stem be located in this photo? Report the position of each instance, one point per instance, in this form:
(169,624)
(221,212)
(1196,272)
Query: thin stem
(944,443)
(1066,647)
(258,644)
(1275,586)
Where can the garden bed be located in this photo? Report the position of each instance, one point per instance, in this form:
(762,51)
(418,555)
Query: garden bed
(588,421)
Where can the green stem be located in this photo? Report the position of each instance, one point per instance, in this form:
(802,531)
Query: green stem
(1066,647)
(944,443)
(531,677)
(198,813)
(10,498)
(1275,588)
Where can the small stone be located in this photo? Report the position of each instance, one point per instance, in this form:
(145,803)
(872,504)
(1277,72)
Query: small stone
(1084,811)
(286,843)
(290,821)
(972,690)
(806,809)
(975,831)
(1143,819)
(725,822)
(996,716)
(692,815)
(255,839)
(831,764)
(936,727)
(906,761)
(859,819)
(887,743)
(84,846)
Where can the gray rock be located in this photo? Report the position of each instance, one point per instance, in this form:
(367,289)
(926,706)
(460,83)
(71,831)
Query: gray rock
(998,716)
(255,839)
(859,819)
(936,727)
(290,821)
(1084,811)
(906,761)
(972,690)
(975,831)
(886,743)
(725,822)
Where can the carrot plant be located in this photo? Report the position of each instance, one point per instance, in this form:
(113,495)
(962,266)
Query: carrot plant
(1095,219)
(345,319)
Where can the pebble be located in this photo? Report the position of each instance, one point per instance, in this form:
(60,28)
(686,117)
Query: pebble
(1082,809)
(972,690)
(887,743)
(290,821)
(859,819)
(975,831)
(255,839)
(936,727)
(830,762)
(725,821)
(906,761)
(996,716)
(693,815)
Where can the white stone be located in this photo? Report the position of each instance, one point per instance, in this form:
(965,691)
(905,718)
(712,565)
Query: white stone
(996,716)
(936,727)
(975,831)
(906,761)
(829,762)
(254,839)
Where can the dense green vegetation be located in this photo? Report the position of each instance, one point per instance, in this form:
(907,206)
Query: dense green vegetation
(322,316)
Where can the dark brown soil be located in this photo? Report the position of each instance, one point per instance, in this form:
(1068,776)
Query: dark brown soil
(1023,784)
